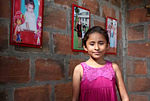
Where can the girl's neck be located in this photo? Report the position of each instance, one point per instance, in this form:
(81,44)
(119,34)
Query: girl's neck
(97,61)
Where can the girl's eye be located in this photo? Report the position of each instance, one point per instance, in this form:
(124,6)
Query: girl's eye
(101,43)
(92,44)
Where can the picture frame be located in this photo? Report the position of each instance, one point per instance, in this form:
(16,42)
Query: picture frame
(27,23)
(111,27)
(80,24)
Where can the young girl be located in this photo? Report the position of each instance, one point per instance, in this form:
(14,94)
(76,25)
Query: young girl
(30,22)
(95,79)
(79,32)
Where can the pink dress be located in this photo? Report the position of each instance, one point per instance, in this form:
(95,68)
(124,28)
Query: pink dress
(98,84)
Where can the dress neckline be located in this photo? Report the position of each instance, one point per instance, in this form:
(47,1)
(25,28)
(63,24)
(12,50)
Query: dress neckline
(96,67)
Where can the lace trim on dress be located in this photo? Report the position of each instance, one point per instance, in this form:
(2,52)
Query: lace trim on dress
(93,73)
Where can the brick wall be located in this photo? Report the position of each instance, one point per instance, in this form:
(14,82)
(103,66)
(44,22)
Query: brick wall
(138,50)
(31,74)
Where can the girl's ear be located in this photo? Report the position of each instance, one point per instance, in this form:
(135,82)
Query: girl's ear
(84,47)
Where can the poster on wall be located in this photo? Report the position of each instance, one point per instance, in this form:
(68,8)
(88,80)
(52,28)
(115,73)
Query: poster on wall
(111,27)
(27,23)
(80,24)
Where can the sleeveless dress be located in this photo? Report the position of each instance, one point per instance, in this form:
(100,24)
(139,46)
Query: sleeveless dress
(98,84)
(79,30)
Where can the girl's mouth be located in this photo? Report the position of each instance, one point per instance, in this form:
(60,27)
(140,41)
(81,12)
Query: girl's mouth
(96,52)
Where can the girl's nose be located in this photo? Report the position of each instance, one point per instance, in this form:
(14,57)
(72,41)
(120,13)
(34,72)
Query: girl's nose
(97,47)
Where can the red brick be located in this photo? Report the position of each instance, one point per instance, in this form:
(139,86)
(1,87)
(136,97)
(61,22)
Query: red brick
(119,33)
(36,93)
(55,18)
(3,95)
(136,67)
(63,92)
(107,11)
(134,97)
(14,70)
(149,31)
(72,64)
(46,41)
(136,33)
(120,18)
(130,67)
(138,84)
(3,38)
(62,44)
(66,2)
(139,49)
(5,9)
(49,69)
(92,5)
(116,3)
(134,3)
(137,15)
(99,23)
(140,67)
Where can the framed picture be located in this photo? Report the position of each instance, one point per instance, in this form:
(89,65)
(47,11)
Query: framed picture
(111,27)
(27,23)
(80,24)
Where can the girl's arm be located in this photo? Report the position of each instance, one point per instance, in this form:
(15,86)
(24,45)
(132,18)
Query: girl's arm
(76,83)
(76,26)
(120,83)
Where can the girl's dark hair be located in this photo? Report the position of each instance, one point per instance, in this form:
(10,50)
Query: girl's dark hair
(29,2)
(94,29)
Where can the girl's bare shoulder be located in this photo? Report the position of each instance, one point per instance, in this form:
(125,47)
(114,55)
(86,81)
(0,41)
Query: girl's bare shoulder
(78,68)
(115,66)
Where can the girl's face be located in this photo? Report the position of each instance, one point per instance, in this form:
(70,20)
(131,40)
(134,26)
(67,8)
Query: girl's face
(30,8)
(18,22)
(96,45)
(79,19)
